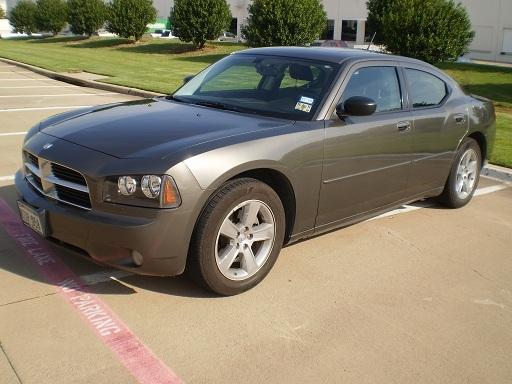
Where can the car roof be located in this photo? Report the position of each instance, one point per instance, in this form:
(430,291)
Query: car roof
(329,54)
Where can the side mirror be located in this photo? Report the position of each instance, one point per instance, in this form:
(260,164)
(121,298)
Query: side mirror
(187,78)
(356,106)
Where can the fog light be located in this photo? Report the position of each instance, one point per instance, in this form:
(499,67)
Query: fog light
(137,258)
(127,185)
(150,185)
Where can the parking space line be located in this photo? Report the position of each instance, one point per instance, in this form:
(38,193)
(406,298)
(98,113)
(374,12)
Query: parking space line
(490,189)
(26,79)
(44,108)
(13,133)
(61,95)
(138,359)
(7,178)
(428,203)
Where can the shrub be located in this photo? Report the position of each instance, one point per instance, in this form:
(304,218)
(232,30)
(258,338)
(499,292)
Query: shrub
(2,13)
(429,30)
(129,18)
(22,17)
(51,15)
(199,20)
(86,16)
(284,22)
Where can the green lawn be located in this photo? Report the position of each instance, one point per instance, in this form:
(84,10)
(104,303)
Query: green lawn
(160,65)
(156,65)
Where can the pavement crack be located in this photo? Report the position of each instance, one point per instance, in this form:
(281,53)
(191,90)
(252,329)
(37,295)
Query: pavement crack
(27,299)
(10,363)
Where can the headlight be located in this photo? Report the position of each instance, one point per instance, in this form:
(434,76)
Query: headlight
(144,191)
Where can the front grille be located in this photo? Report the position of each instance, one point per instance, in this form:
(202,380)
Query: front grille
(33,159)
(57,181)
(67,174)
(73,196)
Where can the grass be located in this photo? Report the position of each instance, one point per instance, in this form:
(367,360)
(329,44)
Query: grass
(156,64)
(159,65)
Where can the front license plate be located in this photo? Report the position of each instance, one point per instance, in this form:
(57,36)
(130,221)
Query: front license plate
(33,218)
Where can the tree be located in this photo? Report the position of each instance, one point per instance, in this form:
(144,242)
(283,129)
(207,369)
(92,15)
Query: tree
(199,20)
(429,30)
(86,16)
(51,15)
(128,18)
(284,22)
(22,17)
(2,13)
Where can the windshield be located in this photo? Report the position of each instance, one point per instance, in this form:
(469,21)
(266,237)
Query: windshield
(273,86)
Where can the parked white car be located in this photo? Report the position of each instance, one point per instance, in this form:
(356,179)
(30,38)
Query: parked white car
(229,37)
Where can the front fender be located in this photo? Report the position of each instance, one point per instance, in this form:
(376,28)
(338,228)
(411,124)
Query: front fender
(297,155)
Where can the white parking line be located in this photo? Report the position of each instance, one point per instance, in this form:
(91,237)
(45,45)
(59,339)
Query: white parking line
(60,95)
(44,108)
(12,133)
(427,203)
(40,86)
(491,189)
(16,72)
(41,79)
(7,178)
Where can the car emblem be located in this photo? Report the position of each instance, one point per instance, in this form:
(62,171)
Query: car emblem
(47,146)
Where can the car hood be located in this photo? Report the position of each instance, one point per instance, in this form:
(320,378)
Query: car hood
(153,128)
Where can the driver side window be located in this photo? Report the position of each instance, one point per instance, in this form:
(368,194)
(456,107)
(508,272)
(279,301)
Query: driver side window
(378,83)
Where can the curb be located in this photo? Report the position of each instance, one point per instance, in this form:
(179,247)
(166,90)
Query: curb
(83,82)
(497,172)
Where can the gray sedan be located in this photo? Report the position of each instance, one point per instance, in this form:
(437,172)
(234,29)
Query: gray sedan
(264,148)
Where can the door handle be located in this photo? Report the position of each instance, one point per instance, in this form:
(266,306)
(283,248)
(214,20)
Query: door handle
(460,119)
(404,126)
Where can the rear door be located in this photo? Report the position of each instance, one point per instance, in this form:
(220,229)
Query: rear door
(439,123)
(366,158)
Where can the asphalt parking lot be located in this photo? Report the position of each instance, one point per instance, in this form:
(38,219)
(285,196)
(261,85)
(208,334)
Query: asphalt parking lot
(420,295)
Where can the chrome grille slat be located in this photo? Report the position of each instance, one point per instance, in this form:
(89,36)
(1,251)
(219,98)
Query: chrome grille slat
(57,181)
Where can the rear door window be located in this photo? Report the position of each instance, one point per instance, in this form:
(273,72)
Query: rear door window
(425,89)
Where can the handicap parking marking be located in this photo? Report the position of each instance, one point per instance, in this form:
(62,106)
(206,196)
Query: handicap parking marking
(137,358)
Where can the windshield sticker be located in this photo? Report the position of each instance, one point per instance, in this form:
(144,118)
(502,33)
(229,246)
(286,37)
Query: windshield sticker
(303,107)
(307,100)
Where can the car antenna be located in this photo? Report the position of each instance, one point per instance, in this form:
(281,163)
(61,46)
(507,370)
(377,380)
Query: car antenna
(371,41)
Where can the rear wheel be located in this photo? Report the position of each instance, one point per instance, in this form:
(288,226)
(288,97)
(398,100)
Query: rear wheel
(464,175)
(238,237)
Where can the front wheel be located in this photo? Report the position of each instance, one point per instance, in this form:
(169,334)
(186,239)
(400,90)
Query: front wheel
(238,237)
(464,175)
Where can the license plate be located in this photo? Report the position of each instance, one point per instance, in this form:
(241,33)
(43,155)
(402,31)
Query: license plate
(33,218)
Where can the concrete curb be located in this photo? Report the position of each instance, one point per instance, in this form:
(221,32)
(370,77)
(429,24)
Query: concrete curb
(83,82)
(497,172)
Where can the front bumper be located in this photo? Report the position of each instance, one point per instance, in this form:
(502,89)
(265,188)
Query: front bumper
(109,238)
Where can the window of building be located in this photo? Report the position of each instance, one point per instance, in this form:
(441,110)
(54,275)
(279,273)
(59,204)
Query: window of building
(378,83)
(425,89)
(348,30)
(233,28)
(328,33)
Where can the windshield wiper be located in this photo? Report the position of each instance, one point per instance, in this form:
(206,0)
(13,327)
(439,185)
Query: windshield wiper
(217,105)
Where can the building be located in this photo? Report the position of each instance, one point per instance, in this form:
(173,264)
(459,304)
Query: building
(491,20)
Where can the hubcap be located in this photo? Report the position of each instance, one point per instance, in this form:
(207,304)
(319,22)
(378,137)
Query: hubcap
(245,240)
(466,174)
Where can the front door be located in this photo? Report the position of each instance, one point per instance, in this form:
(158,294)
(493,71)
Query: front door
(366,158)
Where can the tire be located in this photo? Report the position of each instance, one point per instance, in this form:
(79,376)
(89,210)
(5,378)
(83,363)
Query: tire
(225,256)
(464,175)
